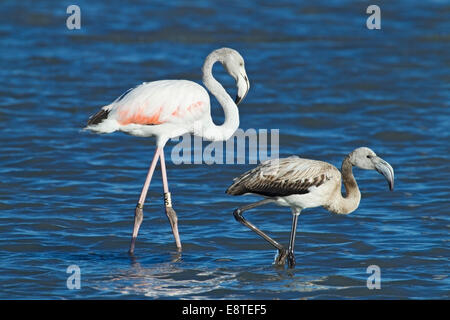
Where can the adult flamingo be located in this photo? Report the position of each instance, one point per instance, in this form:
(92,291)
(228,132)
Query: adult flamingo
(170,108)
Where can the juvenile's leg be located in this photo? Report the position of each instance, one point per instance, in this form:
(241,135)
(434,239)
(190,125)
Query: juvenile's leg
(282,252)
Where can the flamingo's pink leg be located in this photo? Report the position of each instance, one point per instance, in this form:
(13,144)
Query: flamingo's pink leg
(139,213)
(171,214)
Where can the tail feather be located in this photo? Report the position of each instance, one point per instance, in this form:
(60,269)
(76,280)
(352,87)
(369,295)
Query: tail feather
(98,117)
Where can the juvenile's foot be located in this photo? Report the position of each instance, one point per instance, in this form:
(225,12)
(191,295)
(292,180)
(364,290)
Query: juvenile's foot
(291,259)
(281,257)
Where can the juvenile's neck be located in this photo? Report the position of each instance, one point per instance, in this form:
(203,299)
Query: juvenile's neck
(350,202)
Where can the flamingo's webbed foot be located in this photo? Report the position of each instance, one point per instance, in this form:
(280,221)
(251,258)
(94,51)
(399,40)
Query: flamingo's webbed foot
(138,218)
(291,259)
(173,219)
(280,259)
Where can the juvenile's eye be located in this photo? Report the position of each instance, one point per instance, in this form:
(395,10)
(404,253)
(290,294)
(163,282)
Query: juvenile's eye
(369,157)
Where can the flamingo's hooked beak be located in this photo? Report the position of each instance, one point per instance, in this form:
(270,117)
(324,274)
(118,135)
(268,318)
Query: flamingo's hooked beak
(386,170)
(243,86)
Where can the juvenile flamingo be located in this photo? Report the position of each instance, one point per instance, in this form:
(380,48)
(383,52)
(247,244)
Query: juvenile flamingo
(302,183)
(170,108)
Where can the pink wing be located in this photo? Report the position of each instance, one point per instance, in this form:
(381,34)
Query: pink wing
(158,102)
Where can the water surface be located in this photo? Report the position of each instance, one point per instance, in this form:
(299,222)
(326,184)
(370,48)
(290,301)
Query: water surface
(317,74)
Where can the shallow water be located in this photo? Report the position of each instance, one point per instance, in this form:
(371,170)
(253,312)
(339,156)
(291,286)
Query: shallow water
(317,74)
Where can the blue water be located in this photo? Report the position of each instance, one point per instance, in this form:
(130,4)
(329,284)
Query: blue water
(317,74)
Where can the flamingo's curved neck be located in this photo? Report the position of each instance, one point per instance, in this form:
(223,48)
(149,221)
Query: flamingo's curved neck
(350,202)
(210,130)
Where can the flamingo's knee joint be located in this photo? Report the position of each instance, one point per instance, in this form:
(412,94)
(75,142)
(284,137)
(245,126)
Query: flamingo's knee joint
(238,215)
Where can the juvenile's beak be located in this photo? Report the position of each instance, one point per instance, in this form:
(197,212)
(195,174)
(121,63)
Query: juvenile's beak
(386,170)
(243,86)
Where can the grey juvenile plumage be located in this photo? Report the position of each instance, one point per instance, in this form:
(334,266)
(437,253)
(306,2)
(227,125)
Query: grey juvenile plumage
(302,183)
(283,177)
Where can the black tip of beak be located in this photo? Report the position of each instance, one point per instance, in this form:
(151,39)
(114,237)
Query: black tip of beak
(237,100)
(386,170)
(391,185)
